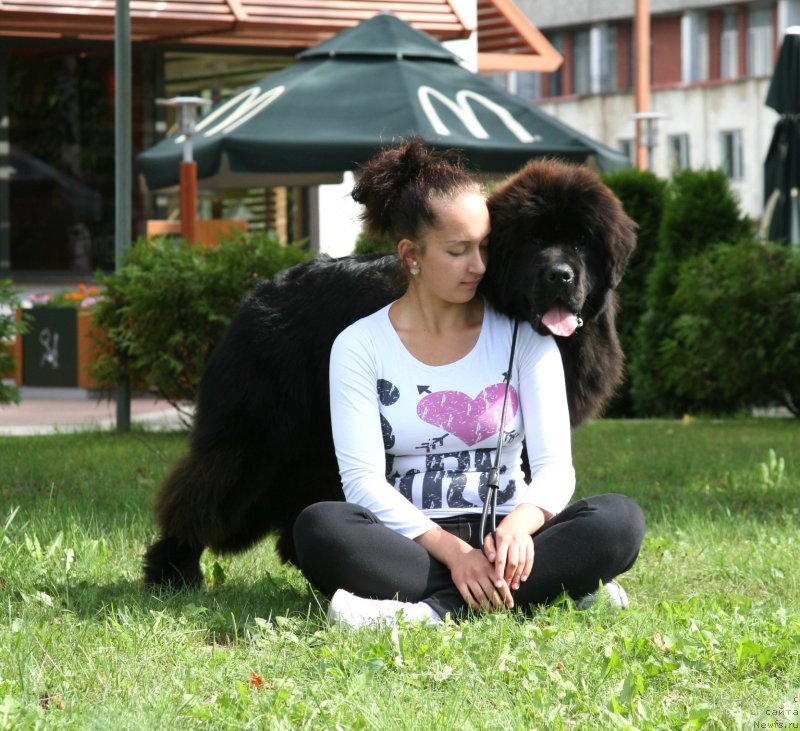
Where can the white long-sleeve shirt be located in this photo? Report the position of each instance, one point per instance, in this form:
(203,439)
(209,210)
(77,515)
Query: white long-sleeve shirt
(415,442)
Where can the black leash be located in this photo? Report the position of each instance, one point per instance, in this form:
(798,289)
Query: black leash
(493,481)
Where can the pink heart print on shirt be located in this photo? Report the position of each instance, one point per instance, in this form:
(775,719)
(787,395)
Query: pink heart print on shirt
(470,419)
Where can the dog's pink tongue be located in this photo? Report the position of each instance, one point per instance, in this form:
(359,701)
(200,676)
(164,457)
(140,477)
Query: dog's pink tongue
(560,321)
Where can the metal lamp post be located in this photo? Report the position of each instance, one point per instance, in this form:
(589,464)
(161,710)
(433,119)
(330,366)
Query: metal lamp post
(186,108)
(122,176)
(649,120)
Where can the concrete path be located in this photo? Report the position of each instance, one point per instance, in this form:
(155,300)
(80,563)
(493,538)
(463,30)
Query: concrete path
(59,410)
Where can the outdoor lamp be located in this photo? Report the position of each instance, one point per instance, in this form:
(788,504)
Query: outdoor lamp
(649,119)
(186,108)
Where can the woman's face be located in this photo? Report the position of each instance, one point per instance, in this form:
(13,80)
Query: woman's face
(452,254)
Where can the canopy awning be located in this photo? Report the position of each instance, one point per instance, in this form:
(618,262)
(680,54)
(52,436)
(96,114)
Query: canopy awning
(348,97)
(506,38)
(508,41)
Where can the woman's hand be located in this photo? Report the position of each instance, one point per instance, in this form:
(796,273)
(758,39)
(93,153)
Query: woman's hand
(472,573)
(474,576)
(513,555)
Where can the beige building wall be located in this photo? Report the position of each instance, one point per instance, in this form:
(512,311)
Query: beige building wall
(702,113)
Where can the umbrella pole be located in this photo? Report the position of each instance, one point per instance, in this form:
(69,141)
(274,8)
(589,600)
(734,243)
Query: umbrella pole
(188,201)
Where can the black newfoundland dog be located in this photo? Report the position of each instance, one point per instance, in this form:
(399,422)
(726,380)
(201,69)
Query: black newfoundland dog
(261,448)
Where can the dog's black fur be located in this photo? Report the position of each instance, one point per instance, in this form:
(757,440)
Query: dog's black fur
(261,448)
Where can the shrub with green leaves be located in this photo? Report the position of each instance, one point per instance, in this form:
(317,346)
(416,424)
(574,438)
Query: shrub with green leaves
(372,244)
(700,210)
(10,327)
(642,196)
(736,342)
(165,310)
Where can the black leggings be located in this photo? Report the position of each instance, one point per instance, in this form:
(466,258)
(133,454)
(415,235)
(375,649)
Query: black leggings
(344,546)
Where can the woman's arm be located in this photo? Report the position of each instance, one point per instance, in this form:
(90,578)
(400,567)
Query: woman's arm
(358,438)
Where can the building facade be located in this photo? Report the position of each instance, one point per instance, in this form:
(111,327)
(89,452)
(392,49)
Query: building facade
(710,61)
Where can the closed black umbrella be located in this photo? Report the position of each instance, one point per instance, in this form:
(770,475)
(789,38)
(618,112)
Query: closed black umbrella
(346,98)
(782,165)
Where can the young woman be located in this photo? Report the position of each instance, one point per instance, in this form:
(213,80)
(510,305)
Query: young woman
(416,395)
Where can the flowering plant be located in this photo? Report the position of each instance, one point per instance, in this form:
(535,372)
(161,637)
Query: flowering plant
(10,327)
(83,296)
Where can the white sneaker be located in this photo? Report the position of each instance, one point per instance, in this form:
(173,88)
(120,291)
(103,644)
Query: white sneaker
(611,593)
(354,612)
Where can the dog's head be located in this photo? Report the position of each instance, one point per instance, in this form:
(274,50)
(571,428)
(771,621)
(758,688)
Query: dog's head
(559,244)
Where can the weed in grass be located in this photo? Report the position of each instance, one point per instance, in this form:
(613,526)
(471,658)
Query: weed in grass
(772,471)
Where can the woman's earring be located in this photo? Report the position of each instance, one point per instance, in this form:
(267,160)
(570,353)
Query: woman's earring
(414,268)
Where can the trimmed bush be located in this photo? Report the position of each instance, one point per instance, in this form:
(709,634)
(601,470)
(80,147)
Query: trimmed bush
(736,343)
(367,244)
(165,310)
(642,196)
(10,327)
(700,210)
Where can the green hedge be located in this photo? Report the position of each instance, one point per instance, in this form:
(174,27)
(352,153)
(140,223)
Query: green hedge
(736,342)
(706,327)
(367,244)
(642,196)
(163,312)
(699,210)
(10,327)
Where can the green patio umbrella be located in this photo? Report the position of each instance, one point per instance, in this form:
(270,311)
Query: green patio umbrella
(782,165)
(346,98)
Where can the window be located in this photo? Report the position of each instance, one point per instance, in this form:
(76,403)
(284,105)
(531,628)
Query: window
(628,148)
(788,13)
(594,59)
(694,44)
(581,62)
(526,84)
(729,46)
(557,77)
(678,147)
(759,41)
(732,160)
(604,53)
(61,190)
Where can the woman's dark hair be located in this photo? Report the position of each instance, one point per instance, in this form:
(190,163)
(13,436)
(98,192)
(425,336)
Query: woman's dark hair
(397,184)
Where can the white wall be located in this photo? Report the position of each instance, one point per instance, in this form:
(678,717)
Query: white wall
(339,225)
(701,112)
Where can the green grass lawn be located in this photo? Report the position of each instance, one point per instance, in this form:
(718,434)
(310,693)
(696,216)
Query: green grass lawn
(712,639)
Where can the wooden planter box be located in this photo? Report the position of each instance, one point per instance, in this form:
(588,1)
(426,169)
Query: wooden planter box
(58,347)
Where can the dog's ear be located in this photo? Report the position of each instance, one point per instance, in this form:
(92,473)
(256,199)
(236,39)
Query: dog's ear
(623,241)
(619,232)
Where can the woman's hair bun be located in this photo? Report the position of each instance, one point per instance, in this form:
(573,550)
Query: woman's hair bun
(396,184)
